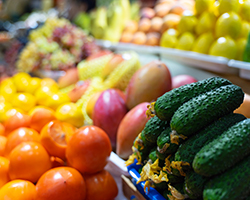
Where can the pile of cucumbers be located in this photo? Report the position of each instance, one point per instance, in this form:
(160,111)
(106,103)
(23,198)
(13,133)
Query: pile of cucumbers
(194,146)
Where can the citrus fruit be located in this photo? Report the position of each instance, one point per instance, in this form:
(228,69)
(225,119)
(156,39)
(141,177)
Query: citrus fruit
(4,171)
(245,10)
(205,23)
(57,162)
(225,47)
(21,81)
(187,23)
(10,112)
(7,89)
(49,82)
(41,115)
(88,149)
(18,190)
(18,136)
(203,43)
(186,41)
(55,100)
(2,129)
(203,5)
(25,101)
(61,183)
(241,46)
(228,6)
(91,103)
(28,161)
(44,92)
(4,107)
(228,24)
(2,99)
(54,137)
(71,113)
(169,38)
(100,185)
(3,141)
(34,83)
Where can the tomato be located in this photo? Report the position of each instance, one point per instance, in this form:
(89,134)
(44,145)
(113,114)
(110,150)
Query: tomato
(101,185)
(88,149)
(61,183)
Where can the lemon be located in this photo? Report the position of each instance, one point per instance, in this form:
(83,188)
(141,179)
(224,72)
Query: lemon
(203,5)
(71,113)
(49,82)
(169,38)
(205,22)
(2,98)
(245,10)
(4,106)
(203,43)
(7,89)
(21,81)
(225,47)
(187,23)
(55,100)
(241,46)
(24,101)
(228,24)
(34,84)
(44,92)
(228,6)
(186,41)
(245,29)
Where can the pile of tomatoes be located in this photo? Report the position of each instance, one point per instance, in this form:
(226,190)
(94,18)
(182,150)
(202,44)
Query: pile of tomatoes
(46,155)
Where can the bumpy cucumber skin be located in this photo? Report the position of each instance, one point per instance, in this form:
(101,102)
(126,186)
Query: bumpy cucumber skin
(233,184)
(152,155)
(224,151)
(153,128)
(202,110)
(166,105)
(187,150)
(194,184)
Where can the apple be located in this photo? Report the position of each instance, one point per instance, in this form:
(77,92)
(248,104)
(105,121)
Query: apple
(148,83)
(109,110)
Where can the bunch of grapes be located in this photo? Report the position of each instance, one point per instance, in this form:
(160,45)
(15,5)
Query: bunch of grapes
(57,45)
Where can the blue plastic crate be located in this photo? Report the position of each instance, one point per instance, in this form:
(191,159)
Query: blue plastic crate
(152,194)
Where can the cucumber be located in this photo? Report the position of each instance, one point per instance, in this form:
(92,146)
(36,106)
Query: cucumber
(166,105)
(224,151)
(194,184)
(233,184)
(187,150)
(202,110)
(153,128)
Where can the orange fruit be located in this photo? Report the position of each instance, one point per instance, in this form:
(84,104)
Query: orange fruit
(7,89)
(4,171)
(57,162)
(54,137)
(91,103)
(61,183)
(88,149)
(41,115)
(21,81)
(24,101)
(18,190)
(16,121)
(44,92)
(4,107)
(19,135)
(101,185)
(49,82)
(10,112)
(55,100)
(3,141)
(2,129)
(34,83)
(28,161)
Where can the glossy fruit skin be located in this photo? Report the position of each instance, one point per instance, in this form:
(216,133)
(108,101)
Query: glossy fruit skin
(3,141)
(109,110)
(182,79)
(28,160)
(61,183)
(100,185)
(4,171)
(130,127)
(88,149)
(80,88)
(16,137)
(18,190)
(148,83)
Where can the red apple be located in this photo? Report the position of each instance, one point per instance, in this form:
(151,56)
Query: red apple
(130,127)
(182,79)
(148,83)
(109,110)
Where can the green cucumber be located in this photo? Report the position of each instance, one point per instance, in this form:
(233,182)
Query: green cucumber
(233,184)
(202,110)
(224,151)
(188,149)
(153,128)
(194,184)
(166,105)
